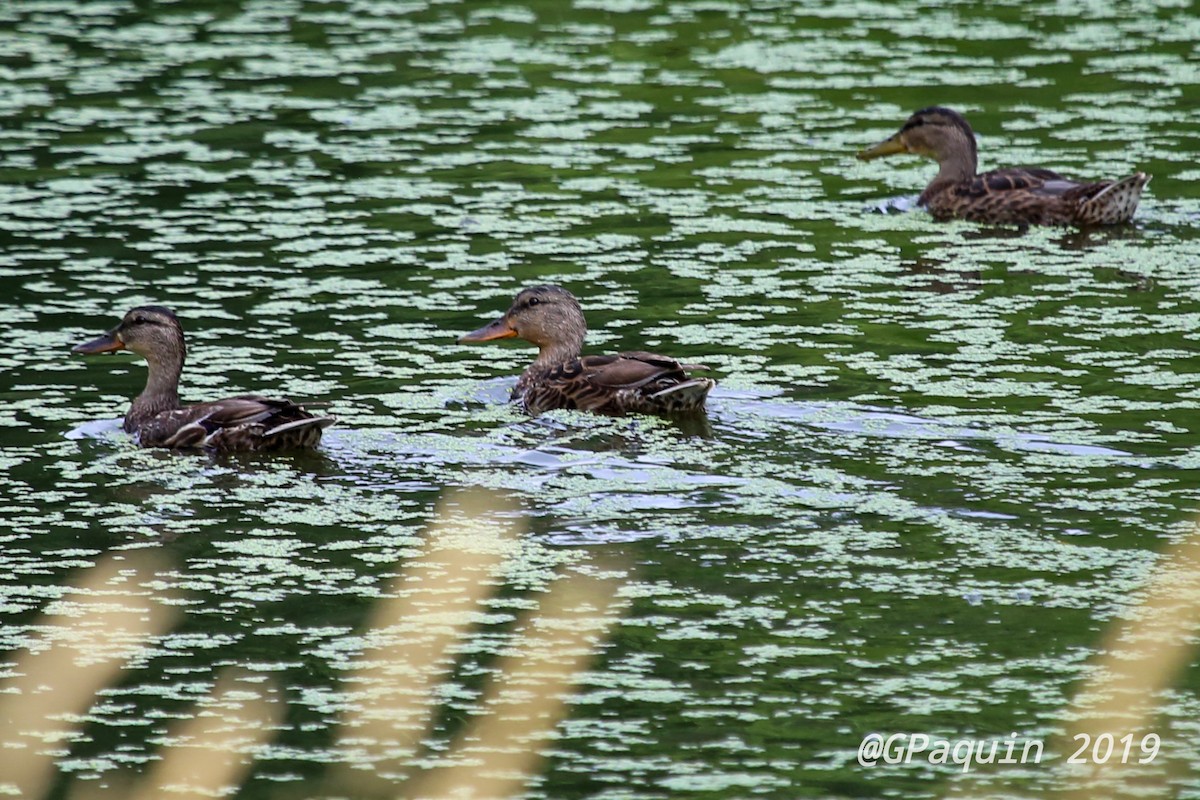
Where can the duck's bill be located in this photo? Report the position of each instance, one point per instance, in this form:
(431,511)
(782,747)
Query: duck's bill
(887,147)
(500,329)
(102,344)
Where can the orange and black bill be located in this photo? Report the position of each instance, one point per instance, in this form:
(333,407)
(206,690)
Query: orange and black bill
(500,329)
(101,344)
(889,146)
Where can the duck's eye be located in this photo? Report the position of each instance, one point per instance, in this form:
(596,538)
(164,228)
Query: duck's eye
(139,320)
(533,301)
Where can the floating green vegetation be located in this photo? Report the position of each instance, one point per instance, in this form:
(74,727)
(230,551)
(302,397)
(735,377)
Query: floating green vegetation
(939,459)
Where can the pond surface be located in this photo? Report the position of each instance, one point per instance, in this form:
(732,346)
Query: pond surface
(940,461)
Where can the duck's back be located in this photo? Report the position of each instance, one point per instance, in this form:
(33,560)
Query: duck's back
(1036,196)
(246,422)
(636,381)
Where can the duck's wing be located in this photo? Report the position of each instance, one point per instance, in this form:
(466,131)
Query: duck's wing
(245,422)
(631,381)
(1035,182)
(1019,179)
(1031,195)
(633,369)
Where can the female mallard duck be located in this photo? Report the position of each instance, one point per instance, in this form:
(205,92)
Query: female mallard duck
(1019,195)
(246,422)
(550,317)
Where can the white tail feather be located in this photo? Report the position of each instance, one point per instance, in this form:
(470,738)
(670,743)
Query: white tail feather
(320,422)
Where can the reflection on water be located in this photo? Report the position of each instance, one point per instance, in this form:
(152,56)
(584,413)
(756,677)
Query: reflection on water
(939,460)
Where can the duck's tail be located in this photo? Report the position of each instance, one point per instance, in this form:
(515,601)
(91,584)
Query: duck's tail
(1114,203)
(688,396)
(298,433)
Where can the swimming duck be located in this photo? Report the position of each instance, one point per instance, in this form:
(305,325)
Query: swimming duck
(245,422)
(1018,195)
(550,317)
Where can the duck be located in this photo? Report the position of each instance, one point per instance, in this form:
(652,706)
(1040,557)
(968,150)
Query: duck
(560,377)
(1016,195)
(248,422)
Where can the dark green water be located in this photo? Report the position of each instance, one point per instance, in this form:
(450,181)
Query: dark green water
(942,458)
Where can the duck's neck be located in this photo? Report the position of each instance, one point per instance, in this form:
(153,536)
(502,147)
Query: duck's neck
(161,392)
(550,355)
(959,168)
(957,165)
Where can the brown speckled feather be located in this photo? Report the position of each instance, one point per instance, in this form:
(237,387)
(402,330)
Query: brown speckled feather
(1019,195)
(636,381)
(243,423)
(1033,196)
(629,382)
(156,418)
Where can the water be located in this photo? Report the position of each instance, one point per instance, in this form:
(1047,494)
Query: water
(940,461)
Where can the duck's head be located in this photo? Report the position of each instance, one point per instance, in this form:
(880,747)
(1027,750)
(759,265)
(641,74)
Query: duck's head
(935,132)
(153,332)
(548,316)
